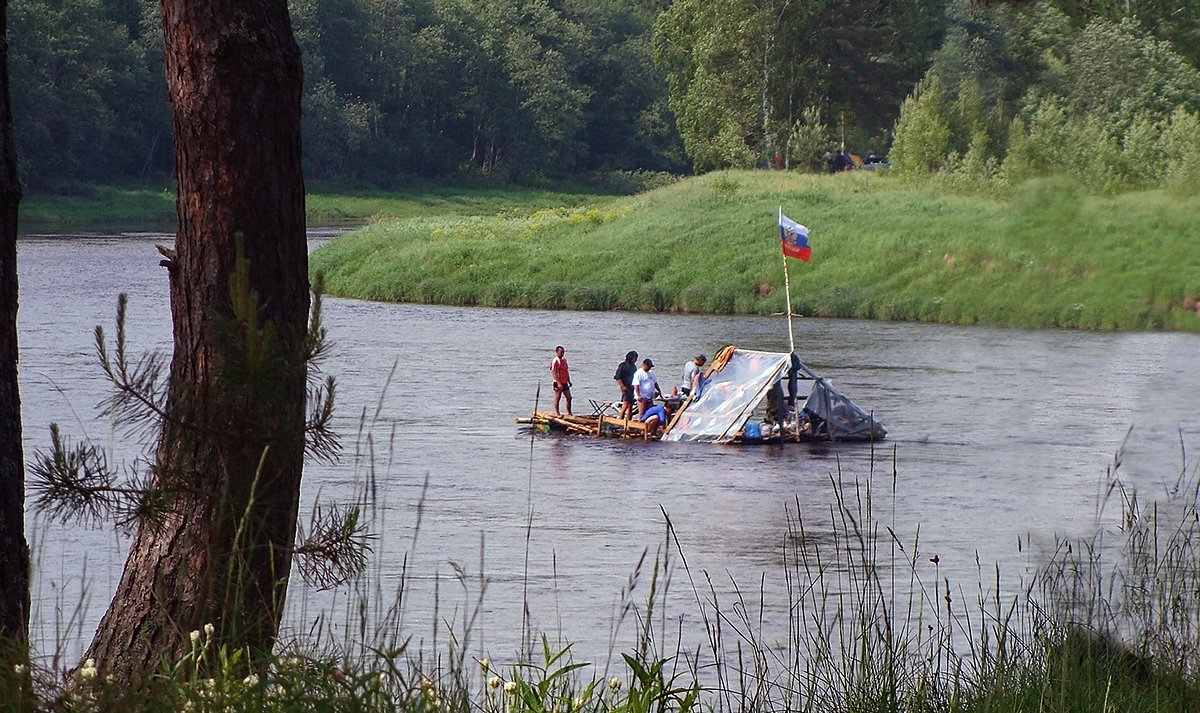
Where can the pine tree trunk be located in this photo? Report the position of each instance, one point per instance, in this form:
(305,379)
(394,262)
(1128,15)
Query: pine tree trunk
(14,552)
(233,440)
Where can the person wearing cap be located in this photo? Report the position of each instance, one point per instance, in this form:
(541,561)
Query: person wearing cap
(645,387)
(691,370)
(624,378)
(561,376)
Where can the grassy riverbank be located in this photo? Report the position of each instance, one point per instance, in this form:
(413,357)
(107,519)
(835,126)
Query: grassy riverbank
(148,207)
(1048,255)
(871,626)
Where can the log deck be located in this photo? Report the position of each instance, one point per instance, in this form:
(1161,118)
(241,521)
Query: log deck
(600,426)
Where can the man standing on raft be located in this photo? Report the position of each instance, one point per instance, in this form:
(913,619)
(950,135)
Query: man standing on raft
(561,376)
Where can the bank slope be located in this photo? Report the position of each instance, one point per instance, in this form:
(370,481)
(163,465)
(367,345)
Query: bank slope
(1049,255)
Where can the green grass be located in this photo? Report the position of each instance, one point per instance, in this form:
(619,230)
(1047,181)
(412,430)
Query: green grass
(99,209)
(1048,256)
(149,207)
(332,205)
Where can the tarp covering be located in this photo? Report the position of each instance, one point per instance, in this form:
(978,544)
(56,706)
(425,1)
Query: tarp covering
(738,382)
(836,417)
(728,397)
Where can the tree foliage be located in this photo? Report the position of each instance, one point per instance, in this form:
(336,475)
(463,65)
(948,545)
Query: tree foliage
(555,88)
(742,74)
(923,129)
(393,89)
(1039,91)
(88,94)
(1173,21)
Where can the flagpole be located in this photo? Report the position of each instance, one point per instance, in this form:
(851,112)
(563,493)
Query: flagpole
(787,290)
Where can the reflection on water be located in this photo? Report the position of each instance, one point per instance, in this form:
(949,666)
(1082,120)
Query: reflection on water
(993,434)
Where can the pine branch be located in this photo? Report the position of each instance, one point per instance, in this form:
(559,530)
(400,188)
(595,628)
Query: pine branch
(321,440)
(336,548)
(74,481)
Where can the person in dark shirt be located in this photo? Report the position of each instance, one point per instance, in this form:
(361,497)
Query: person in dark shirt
(624,379)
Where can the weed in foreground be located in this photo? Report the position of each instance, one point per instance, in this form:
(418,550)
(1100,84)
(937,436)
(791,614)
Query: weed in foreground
(1104,625)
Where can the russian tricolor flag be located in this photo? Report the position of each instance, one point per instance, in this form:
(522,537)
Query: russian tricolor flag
(794,238)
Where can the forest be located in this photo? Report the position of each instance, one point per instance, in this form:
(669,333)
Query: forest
(596,90)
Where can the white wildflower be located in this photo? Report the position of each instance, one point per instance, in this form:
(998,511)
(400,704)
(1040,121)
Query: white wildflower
(510,687)
(251,680)
(195,636)
(19,669)
(484,664)
(209,629)
(494,682)
(614,684)
(88,672)
(576,703)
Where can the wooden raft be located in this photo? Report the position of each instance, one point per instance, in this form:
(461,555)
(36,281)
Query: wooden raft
(599,426)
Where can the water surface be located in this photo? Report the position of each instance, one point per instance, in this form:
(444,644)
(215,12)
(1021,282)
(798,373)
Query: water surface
(994,435)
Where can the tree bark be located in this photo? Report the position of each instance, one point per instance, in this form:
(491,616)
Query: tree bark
(231,448)
(14,551)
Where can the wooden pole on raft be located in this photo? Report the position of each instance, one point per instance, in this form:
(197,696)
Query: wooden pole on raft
(787,289)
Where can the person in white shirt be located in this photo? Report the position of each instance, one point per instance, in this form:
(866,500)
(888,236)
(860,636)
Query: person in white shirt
(645,387)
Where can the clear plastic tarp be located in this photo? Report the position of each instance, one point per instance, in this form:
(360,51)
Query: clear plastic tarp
(727,398)
(739,381)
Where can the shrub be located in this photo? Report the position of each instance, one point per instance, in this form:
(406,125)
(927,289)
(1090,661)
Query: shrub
(1181,153)
(923,129)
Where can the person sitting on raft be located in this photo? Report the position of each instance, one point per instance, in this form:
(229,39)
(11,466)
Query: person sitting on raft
(656,418)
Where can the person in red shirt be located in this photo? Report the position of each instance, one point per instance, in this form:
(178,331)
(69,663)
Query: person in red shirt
(561,377)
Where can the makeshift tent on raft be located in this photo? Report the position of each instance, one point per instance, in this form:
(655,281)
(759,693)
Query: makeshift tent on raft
(740,380)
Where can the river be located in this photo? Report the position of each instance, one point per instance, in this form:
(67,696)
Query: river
(996,436)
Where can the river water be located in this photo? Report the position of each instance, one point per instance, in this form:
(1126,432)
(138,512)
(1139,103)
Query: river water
(996,436)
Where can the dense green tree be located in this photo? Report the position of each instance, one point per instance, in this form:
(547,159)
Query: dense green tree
(1039,91)
(1115,71)
(923,129)
(975,48)
(357,58)
(1173,21)
(434,87)
(392,88)
(875,50)
(517,94)
(628,124)
(743,73)
(1181,153)
(88,103)
(712,52)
